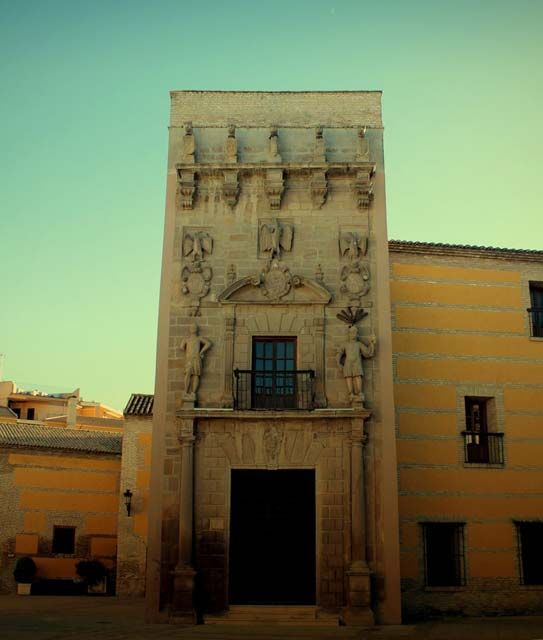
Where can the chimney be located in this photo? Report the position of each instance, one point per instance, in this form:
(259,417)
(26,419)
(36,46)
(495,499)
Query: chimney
(71,416)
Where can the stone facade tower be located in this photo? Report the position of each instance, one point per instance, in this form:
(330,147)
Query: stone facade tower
(274,462)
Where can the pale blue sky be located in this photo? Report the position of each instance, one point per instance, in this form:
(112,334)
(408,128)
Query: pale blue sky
(83,133)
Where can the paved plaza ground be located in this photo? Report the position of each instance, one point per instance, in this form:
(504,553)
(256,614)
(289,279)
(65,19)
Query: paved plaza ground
(57,618)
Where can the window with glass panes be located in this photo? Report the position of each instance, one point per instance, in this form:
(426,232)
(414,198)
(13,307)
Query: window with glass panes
(274,378)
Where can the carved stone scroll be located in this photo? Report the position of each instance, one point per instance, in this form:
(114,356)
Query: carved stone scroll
(363,189)
(187,186)
(319,188)
(274,187)
(230,188)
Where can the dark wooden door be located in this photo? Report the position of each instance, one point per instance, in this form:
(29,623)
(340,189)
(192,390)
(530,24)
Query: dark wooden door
(272,537)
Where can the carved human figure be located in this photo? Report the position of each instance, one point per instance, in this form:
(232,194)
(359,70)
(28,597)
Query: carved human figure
(350,357)
(188,143)
(195,348)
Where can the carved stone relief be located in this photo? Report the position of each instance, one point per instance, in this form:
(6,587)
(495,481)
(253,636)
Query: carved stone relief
(275,236)
(363,188)
(352,245)
(274,187)
(186,180)
(275,280)
(188,145)
(319,187)
(230,188)
(276,445)
(319,154)
(196,275)
(231,274)
(355,280)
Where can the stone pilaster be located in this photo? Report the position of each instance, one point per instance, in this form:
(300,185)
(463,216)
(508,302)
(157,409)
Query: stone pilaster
(358,610)
(182,603)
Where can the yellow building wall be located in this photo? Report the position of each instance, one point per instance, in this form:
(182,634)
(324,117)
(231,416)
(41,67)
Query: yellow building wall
(55,489)
(460,328)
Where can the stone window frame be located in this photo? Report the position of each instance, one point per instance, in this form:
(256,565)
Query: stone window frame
(496,424)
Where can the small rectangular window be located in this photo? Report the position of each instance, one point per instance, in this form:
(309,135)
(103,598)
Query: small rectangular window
(530,537)
(16,411)
(536,310)
(444,554)
(63,540)
(482,443)
(30,414)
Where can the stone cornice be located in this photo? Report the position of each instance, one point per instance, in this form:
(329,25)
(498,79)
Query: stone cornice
(467,251)
(316,414)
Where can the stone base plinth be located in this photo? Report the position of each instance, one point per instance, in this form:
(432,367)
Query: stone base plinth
(359,612)
(182,604)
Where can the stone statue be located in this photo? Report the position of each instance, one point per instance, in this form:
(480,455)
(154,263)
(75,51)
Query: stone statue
(195,348)
(349,358)
(273,150)
(231,145)
(188,144)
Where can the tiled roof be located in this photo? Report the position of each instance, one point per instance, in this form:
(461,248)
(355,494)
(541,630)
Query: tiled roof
(438,248)
(27,434)
(6,412)
(139,404)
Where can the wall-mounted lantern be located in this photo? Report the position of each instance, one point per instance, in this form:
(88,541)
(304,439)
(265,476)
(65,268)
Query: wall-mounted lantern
(128,501)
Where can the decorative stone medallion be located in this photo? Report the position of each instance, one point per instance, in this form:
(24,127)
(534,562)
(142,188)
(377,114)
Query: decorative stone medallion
(275,281)
(355,280)
(196,283)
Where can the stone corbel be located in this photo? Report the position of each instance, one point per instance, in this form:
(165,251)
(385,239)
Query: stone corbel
(363,188)
(230,188)
(187,186)
(275,186)
(319,188)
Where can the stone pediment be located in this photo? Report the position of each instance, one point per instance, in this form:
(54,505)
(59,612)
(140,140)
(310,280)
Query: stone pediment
(275,284)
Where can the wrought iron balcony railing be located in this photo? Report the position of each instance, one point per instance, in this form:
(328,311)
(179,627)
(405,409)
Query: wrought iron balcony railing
(274,389)
(536,321)
(482,447)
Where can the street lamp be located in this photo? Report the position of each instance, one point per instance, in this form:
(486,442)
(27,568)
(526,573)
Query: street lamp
(128,501)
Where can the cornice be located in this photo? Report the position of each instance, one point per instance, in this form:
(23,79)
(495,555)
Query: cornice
(464,250)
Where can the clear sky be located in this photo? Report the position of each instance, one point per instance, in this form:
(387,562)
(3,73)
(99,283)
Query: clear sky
(83,131)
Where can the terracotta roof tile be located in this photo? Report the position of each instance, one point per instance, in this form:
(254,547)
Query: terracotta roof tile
(474,251)
(27,434)
(139,404)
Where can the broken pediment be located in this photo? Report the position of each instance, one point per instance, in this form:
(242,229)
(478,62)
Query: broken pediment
(275,284)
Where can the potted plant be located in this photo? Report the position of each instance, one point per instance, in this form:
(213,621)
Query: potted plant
(24,572)
(94,573)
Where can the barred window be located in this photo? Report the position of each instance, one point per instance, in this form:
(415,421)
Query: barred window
(530,539)
(444,554)
(536,310)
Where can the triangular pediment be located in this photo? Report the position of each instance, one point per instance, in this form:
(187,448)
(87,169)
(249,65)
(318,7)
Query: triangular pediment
(277,290)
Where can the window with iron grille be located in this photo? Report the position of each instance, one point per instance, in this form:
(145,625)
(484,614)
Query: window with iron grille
(482,443)
(63,540)
(530,537)
(536,310)
(274,365)
(444,554)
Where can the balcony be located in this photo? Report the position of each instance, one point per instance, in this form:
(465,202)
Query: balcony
(482,447)
(274,390)
(536,321)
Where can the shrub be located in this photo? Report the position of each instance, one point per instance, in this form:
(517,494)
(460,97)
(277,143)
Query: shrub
(92,571)
(25,570)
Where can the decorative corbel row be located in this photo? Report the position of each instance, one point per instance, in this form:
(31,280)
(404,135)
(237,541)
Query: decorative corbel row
(319,187)
(187,186)
(275,186)
(363,188)
(230,187)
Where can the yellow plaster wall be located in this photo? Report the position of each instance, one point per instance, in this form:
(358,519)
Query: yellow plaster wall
(460,328)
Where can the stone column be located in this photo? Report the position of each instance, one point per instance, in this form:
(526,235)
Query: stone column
(318,328)
(359,596)
(227,396)
(182,605)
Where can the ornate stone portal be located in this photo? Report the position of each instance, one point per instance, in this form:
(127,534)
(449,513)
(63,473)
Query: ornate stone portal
(235,160)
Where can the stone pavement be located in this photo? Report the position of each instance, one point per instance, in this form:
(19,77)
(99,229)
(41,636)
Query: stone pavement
(86,618)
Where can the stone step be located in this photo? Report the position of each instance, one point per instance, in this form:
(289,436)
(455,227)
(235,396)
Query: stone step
(284,615)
